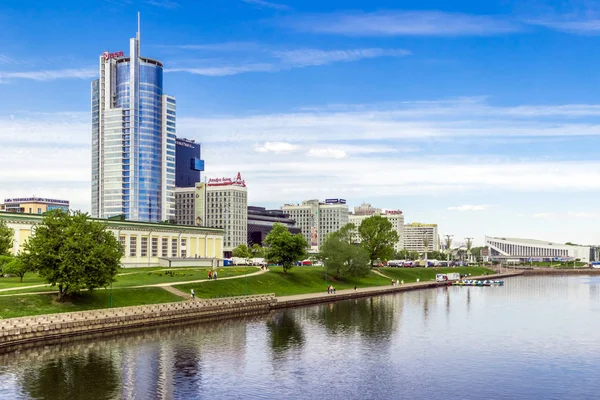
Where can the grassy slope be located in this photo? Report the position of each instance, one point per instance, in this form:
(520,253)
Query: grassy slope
(131,277)
(298,280)
(18,306)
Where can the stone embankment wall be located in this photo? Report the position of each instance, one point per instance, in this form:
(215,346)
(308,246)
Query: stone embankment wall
(23,330)
(561,271)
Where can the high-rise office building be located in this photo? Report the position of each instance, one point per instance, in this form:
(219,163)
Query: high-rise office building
(396,218)
(187,163)
(317,219)
(133,139)
(415,233)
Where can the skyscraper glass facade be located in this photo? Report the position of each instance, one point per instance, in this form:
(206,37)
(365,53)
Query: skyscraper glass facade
(133,139)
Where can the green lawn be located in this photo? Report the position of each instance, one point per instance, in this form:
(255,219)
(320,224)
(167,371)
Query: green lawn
(19,306)
(427,274)
(179,275)
(29,279)
(298,280)
(132,277)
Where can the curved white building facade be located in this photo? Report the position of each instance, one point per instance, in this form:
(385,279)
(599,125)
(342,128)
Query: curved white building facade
(537,250)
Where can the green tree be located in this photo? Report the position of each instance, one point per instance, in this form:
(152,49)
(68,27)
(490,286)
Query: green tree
(6,239)
(5,260)
(16,267)
(378,237)
(401,255)
(73,252)
(284,248)
(341,256)
(241,251)
(257,251)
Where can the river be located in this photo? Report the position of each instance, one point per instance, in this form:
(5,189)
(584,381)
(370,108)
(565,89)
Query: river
(534,338)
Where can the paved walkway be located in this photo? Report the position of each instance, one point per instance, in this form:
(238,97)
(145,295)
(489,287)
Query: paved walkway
(177,292)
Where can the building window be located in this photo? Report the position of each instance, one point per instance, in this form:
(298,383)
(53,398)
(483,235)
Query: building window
(122,242)
(183,248)
(133,246)
(165,247)
(144,246)
(154,247)
(173,247)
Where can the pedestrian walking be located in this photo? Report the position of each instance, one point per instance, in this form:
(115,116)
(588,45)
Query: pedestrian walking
(215,275)
(193,294)
(355,288)
(333,290)
(209,275)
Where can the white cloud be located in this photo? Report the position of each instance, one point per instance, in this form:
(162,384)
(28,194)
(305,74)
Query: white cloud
(570,24)
(544,215)
(313,57)
(49,75)
(169,4)
(268,4)
(225,70)
(402,23)
(327,153)
(275,147)
(225,46)
(583,214)
(469,207)
(285,60)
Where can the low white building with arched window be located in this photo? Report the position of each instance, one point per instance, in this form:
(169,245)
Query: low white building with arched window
(534,250)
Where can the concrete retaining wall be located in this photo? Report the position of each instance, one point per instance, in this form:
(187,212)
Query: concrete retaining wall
(16,331)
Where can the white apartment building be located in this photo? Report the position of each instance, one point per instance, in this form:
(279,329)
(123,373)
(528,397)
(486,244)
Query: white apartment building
(365,210)
(226,206)
(317,219)
(415,233)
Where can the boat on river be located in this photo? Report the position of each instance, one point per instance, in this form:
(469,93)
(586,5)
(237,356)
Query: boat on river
(474,282)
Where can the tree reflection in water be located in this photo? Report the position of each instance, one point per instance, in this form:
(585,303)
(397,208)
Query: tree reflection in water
(374,316)
(285,332)
(85,376)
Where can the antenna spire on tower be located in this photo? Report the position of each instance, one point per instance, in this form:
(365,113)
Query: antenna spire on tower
(138,29)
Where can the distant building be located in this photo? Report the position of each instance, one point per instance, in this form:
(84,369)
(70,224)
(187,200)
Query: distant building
(220,203)
(188,164)
(365,211)
(261,221)
(317,219)
(415,233)
(33,205)
(525,250)
(185,204)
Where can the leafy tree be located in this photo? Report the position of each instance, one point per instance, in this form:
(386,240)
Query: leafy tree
(241,251)
(73,252)
(6,239)
(284,248)
(257,251)
(5,260)
(16,267)
(378,237)
(401,255)
(341,256)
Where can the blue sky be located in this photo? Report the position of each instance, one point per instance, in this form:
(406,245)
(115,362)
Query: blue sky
(479,116)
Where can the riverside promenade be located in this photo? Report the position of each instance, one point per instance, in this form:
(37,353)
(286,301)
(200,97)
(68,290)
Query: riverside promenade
(26,330)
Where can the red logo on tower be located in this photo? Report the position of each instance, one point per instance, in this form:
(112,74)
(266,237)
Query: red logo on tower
(108,56)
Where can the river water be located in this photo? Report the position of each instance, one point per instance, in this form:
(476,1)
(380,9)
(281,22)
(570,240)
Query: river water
(534,338)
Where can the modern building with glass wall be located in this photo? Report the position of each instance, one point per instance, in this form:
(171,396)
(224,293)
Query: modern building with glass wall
(188,164)
(133,139)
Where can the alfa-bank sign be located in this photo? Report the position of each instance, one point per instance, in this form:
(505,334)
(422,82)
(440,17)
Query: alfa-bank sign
(107,56)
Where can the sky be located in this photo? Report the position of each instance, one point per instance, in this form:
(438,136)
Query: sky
(482,117)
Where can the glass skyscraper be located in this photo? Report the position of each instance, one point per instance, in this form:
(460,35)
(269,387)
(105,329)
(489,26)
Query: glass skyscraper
(133,139)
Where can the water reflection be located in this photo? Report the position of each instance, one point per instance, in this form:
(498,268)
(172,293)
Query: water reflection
(536,337)
(284,332)
(372,317)
(91,375)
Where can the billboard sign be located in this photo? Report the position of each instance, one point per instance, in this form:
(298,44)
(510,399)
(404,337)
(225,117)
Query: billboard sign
(335,201)
(108,56)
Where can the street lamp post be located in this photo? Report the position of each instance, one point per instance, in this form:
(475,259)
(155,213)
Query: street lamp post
(111,295)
